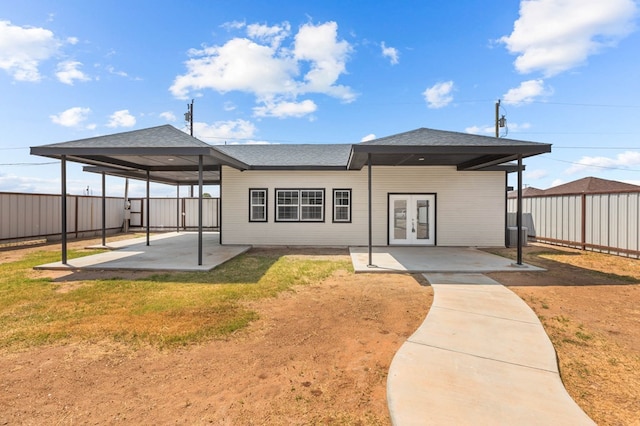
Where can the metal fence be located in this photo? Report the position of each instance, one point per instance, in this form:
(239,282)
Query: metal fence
(32,216)
(607,222)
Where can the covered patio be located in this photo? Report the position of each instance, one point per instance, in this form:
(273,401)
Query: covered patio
(173,252)
(460,260)
(160,154)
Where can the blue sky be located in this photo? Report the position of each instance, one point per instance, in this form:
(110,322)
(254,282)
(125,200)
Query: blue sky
(567,73)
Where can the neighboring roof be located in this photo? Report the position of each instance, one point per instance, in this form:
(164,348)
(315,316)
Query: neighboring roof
(437,147)
(591,185)
(288,156)
(529,191)
(588,185)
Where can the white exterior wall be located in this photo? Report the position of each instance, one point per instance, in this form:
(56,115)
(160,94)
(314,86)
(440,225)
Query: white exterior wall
(470,205)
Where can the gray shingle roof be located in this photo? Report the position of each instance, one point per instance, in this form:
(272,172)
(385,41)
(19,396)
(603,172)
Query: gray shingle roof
(431,137)
(165,136)
(289,155)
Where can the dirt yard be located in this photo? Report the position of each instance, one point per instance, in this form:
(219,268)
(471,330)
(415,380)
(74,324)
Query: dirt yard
(320,355)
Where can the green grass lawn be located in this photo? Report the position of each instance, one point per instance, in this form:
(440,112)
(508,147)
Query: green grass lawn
(163,310)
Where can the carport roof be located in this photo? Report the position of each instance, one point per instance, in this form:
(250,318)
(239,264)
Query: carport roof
(168,154)
(171,156)
(438,147)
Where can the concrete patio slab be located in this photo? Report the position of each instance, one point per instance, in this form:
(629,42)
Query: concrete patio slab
(167,252)
(432,259)
(480,357)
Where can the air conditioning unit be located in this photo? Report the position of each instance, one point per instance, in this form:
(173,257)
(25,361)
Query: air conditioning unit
(512,236)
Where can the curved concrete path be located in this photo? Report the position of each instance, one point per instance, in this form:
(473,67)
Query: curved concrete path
(481,357)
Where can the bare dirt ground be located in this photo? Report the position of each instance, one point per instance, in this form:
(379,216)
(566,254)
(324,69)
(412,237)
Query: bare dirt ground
(320,355)
(593,320)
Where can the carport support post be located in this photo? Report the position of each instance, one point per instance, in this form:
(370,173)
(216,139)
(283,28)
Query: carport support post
(104,211)
(200,167)
(177,208)
(519,213)
(63,206)
(148,216)
(370,264)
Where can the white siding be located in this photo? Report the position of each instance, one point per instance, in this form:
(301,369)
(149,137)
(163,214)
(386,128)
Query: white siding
(470,205)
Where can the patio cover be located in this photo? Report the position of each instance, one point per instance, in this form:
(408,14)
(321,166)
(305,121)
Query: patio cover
(159,154)
(168,155)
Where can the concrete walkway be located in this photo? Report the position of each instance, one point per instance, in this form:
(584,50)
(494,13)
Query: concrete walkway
(481,357)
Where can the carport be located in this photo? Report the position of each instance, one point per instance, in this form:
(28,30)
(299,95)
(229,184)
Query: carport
(160,154)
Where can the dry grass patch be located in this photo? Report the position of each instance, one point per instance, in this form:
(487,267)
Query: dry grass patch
(162,310)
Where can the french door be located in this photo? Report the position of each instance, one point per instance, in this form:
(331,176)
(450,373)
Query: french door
(412,219)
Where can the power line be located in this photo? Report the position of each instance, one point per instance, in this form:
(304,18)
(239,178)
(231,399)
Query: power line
(594,165)
(29,164)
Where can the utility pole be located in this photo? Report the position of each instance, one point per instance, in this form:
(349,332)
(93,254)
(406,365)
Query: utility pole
(500,121)
(188,117)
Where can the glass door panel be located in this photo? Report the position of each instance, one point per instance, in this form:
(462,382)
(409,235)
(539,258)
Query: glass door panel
(400,219)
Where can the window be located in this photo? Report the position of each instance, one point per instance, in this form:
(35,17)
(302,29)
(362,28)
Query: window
(295,205)
(342,205)
(257,205)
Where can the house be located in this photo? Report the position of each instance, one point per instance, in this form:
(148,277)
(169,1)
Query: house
(424,187)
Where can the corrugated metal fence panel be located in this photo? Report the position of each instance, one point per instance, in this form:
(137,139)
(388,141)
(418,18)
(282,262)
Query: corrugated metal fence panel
(633,219)
(209,212)
(612,221)
(38,215)
(28,215)
(163,211)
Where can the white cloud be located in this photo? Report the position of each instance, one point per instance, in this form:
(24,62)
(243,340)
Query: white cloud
(68,72)
(491,130)
(224,131)
(111,69)
(480,130)
(554,36)
(22,49)
(73,117)
(257,64)
(439,95)
(390,52)
(121,118)
(285,109)
(229,106)
(327,57)
(272,35)
(536,174)
(621,161)
(168,115)
(526,92)
(368,138)
(557,182)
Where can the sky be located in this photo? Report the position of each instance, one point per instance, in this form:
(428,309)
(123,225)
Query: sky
(566,72)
